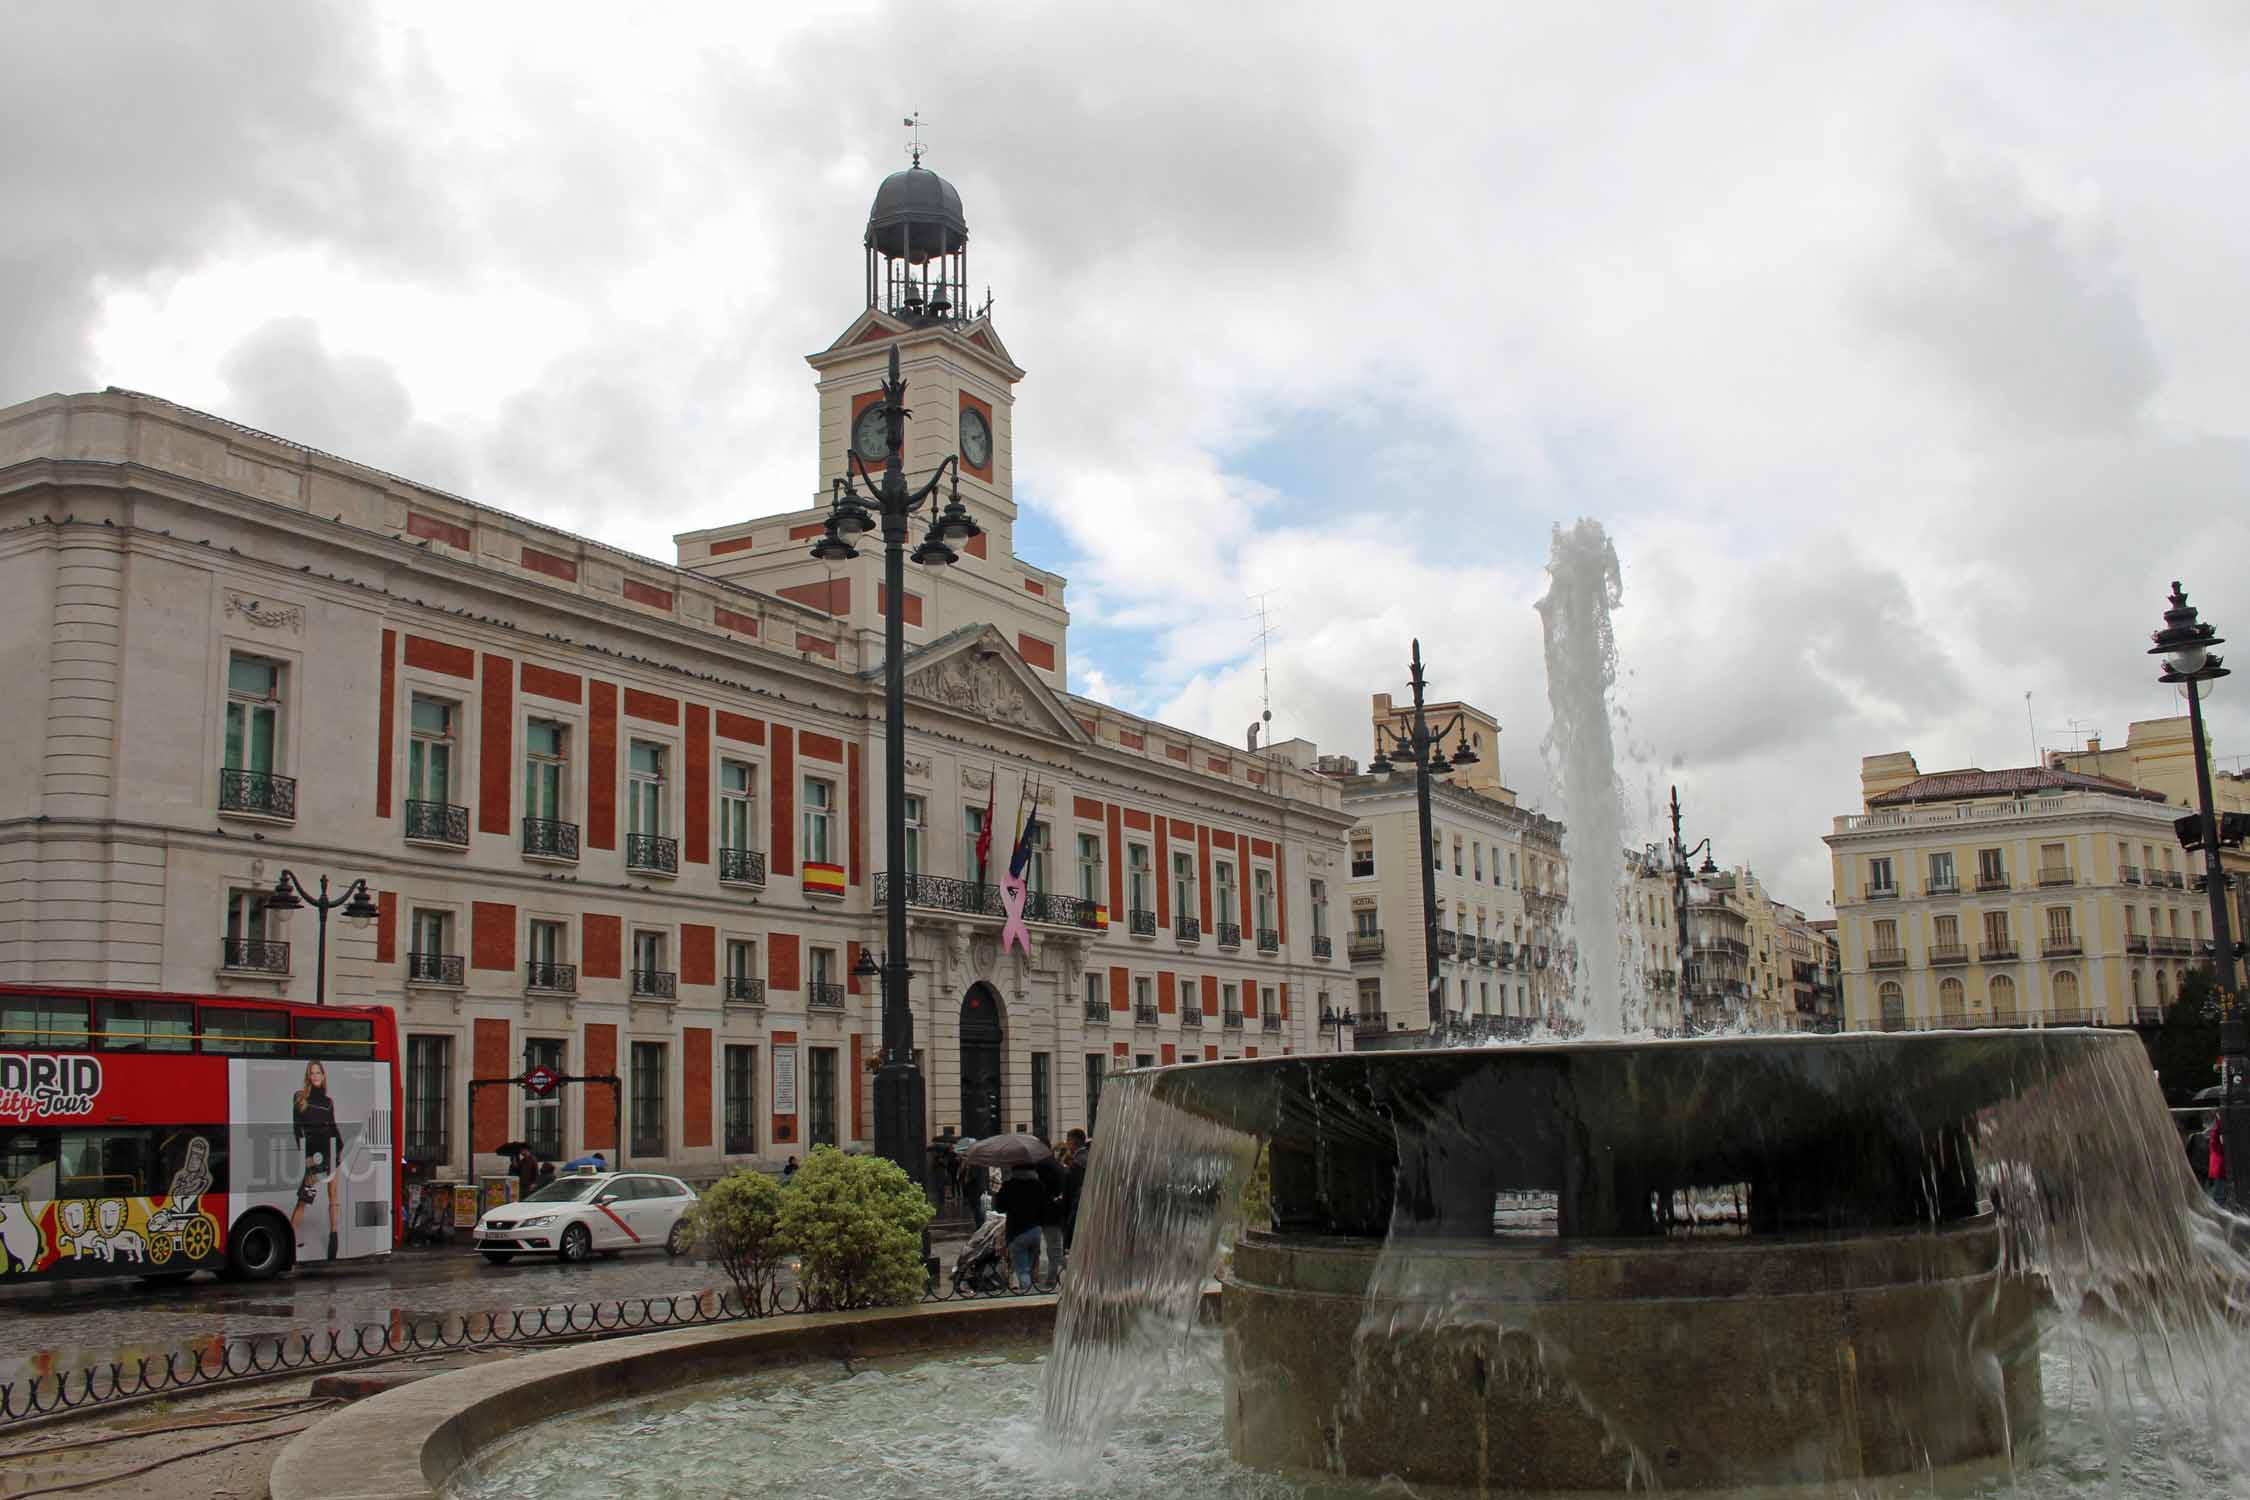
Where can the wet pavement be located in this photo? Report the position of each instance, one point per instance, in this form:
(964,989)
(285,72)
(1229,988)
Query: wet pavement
(54,1329)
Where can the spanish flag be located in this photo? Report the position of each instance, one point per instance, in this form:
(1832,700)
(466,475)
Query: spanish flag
(823,880)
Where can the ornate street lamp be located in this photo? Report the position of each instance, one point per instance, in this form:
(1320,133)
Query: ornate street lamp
(890,504)
(1682,855)
(1417,748)
(2185,645)
(289,894)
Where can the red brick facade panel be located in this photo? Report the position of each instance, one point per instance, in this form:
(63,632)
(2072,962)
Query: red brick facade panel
(488,1109)
(1210,995)
(741,728)
(782,845)
(695,843)
(1261,849)
(734,620)
(1116,863)
(806,532)
(851,968)
(386,927)
(1281,894)
(1137,820)
(913,604)
(598,1120)
(426,655)
(1086,808)
(858,1086)
(1034,586)
(1120,989)
(536,561)
(1177,752)
(496,746)
(816,646)
(699,953)
(433,529)
(386,723)
(1285,1002)
(784,967)
(1210,1053)
(654,708)
(1167,992)
(831,596)
(977,546)
(1182,828)
(1257,778)
(695,1093)
(648,594)
(601,765)
(729,545)
(1222,839)
(855,820)
(814,746)
(492,935)
(604,946)
(1163,877)
(1216,764)
(1203,875)
(1171,1054)
(546,682)
(1035,651)
(1132,741)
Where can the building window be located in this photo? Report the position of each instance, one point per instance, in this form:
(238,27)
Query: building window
(1879,877)
(1366,921)
(1892,999)
(2066,993)
(1261,898)
(542,1118)
(1949,993)
(1512,881)
(738,804)
(1437,851)
(742,958)
(823,962)
(1476,861)
(1097,1067)
(1035,872)
(1042,1085)
(1941,872)
(741,1106)
(546,779)
(972,834)
(652,976)
(1183,883)
(1457,856)
(250,943)
(820,820)
(429,1094)
(1948,931)
(2003,992)
(253,714)
(1188,1002)
(1996,930)
(644,791)
(910,813)
(1318,896)
(2059,933)
(1139,897)
(429,750)
(1370,997)
(430,958)
(1089,869)
(547,957)
(820,1096)
(648,1099)
(1224,881)
(1094,998)
(1363,854)
(1992,871)
(1886,936)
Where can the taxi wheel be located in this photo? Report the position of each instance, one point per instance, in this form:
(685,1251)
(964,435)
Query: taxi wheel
(577,1244)
(676,1243)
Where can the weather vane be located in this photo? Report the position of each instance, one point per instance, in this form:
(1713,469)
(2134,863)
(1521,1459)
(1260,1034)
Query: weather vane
(913,122)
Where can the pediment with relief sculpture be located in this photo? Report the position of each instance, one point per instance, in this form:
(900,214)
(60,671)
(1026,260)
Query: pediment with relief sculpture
(980,676)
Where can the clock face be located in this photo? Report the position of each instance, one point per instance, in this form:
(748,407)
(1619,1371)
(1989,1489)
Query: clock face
(871,437)
(976,438)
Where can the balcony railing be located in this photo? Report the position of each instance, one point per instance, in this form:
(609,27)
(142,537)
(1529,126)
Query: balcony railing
(1144,1015)
(745,989)
(652,854)
(1364,945)
(2056,875)
(1993,953)
(1230,935)
(1323,946)
(559,979)
(2172,947)
(1328,1020)
(1192,1016)
(2061,947)
(656,984)
(742,867)
(823,994)
(435,968)
(1370,1023)
(2136,942)
(2130,874)
(1541,959)
(1141,922)
(1230,1020)
(1886,958)
(254,955)
(1269,940)
(1507,954)
(1992,880)
(1885,892)
(1188,929)
(2173,879)
(1488,952)
(1943,885)
(544,838)
(1445,943)
(1098,1011)
(258,793)
(1270,1021)
(1949,953)
(438,823)
(973,899)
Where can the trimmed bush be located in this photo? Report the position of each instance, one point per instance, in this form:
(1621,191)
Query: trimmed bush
(737,1225)
(855,1224)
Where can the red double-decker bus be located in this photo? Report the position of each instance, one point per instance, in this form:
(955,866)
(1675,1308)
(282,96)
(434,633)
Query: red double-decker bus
(159,1135)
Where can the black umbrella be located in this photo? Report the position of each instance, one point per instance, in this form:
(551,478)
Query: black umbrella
(510,1148)
(1016,1149)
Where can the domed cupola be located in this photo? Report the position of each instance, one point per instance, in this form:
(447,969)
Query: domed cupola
(917,247)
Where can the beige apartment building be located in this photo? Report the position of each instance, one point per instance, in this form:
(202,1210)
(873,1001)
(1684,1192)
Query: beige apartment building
(623,816)
(2031,896)
(1500,888)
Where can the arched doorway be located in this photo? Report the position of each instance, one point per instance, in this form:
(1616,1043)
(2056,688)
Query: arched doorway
(981,1101)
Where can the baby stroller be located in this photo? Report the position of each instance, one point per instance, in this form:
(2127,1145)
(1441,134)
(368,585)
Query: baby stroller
(982,1264)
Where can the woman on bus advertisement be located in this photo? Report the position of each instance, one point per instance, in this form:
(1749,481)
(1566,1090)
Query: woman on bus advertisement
(313,1118)
(306,1145)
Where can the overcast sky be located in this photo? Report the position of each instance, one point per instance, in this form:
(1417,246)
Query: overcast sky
(1904,350)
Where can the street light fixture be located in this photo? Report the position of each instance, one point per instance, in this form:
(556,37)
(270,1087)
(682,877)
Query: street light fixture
(1415,747)
(357,902)
(899,1105)
(1681,855)
(2185,645)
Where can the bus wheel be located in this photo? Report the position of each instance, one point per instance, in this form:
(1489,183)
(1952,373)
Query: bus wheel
(259,1247)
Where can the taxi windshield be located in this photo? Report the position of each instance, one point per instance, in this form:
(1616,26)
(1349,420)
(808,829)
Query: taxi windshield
(565,1190)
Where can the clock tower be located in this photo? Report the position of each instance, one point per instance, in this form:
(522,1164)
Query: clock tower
(960,393)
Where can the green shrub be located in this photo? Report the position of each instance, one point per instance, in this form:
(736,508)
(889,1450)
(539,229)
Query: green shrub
(855,1223)
(737,1225)
(1257,1192)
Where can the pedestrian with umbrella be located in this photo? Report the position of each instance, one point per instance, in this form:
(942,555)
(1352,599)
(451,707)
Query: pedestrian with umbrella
(1022,1198)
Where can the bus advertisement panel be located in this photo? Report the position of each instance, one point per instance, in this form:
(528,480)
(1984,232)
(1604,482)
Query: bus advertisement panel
(312,1140)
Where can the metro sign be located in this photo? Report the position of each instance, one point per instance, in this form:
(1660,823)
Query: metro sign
(539,1082)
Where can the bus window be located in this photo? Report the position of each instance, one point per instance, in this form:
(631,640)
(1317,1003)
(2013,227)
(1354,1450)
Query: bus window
(335,1036)
(245,1033)
(22,1154)
(51,1021)
(144,1025)
(104,1163)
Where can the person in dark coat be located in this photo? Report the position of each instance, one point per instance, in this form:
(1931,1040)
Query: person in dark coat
(1054,1181)
(1074,1184)
(1024,1202)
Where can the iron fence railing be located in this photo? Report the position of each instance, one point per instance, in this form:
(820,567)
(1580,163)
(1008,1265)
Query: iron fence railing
(544,838)
(261,955)
(435,968)
(824,994)
(742,866)
(560,979)
(972,898)
(652,853)
(438,823)
(258,793)
(221,1361)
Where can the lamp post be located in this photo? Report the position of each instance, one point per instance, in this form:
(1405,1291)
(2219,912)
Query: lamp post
(890,504)
(289,894)
(2185,645)
(1418,747)
(1681,855)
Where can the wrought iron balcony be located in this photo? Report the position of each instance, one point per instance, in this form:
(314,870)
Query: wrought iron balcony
(2172,878)
(1884,892)
(745,989)
(1949,953)
(1230,935)
(2130,874)
(258,794)
(1364,944)
(560,979)
(656,984)
(1943,885)
(1362,868)
(2061,947)
(1507,954)
(1445,943)
(254,955)
(544,838)
(2136,942)
(1370,1023)
(1992,880)
(1488,952)
(1230,1020)
(438,823)
(971,898)
(1269,940)
(1993,953)
(1270,1021)
(1142,922)
(1144,1015)
(1192,1016)
(1886,958)
(1098,1011)
(824,995)
(1188,929)
(435,968)
(2056,875)
(652,854)
(742,867)
(2173,947)
(1323,946)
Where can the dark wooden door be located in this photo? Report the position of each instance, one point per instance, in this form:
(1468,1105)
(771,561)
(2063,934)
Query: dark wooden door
(981,1100)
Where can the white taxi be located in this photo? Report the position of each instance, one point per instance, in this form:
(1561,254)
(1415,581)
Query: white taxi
(586,1213)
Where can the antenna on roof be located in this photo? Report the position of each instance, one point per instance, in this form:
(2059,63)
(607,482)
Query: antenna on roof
(914,148)
(1265,666)
(2033,725)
